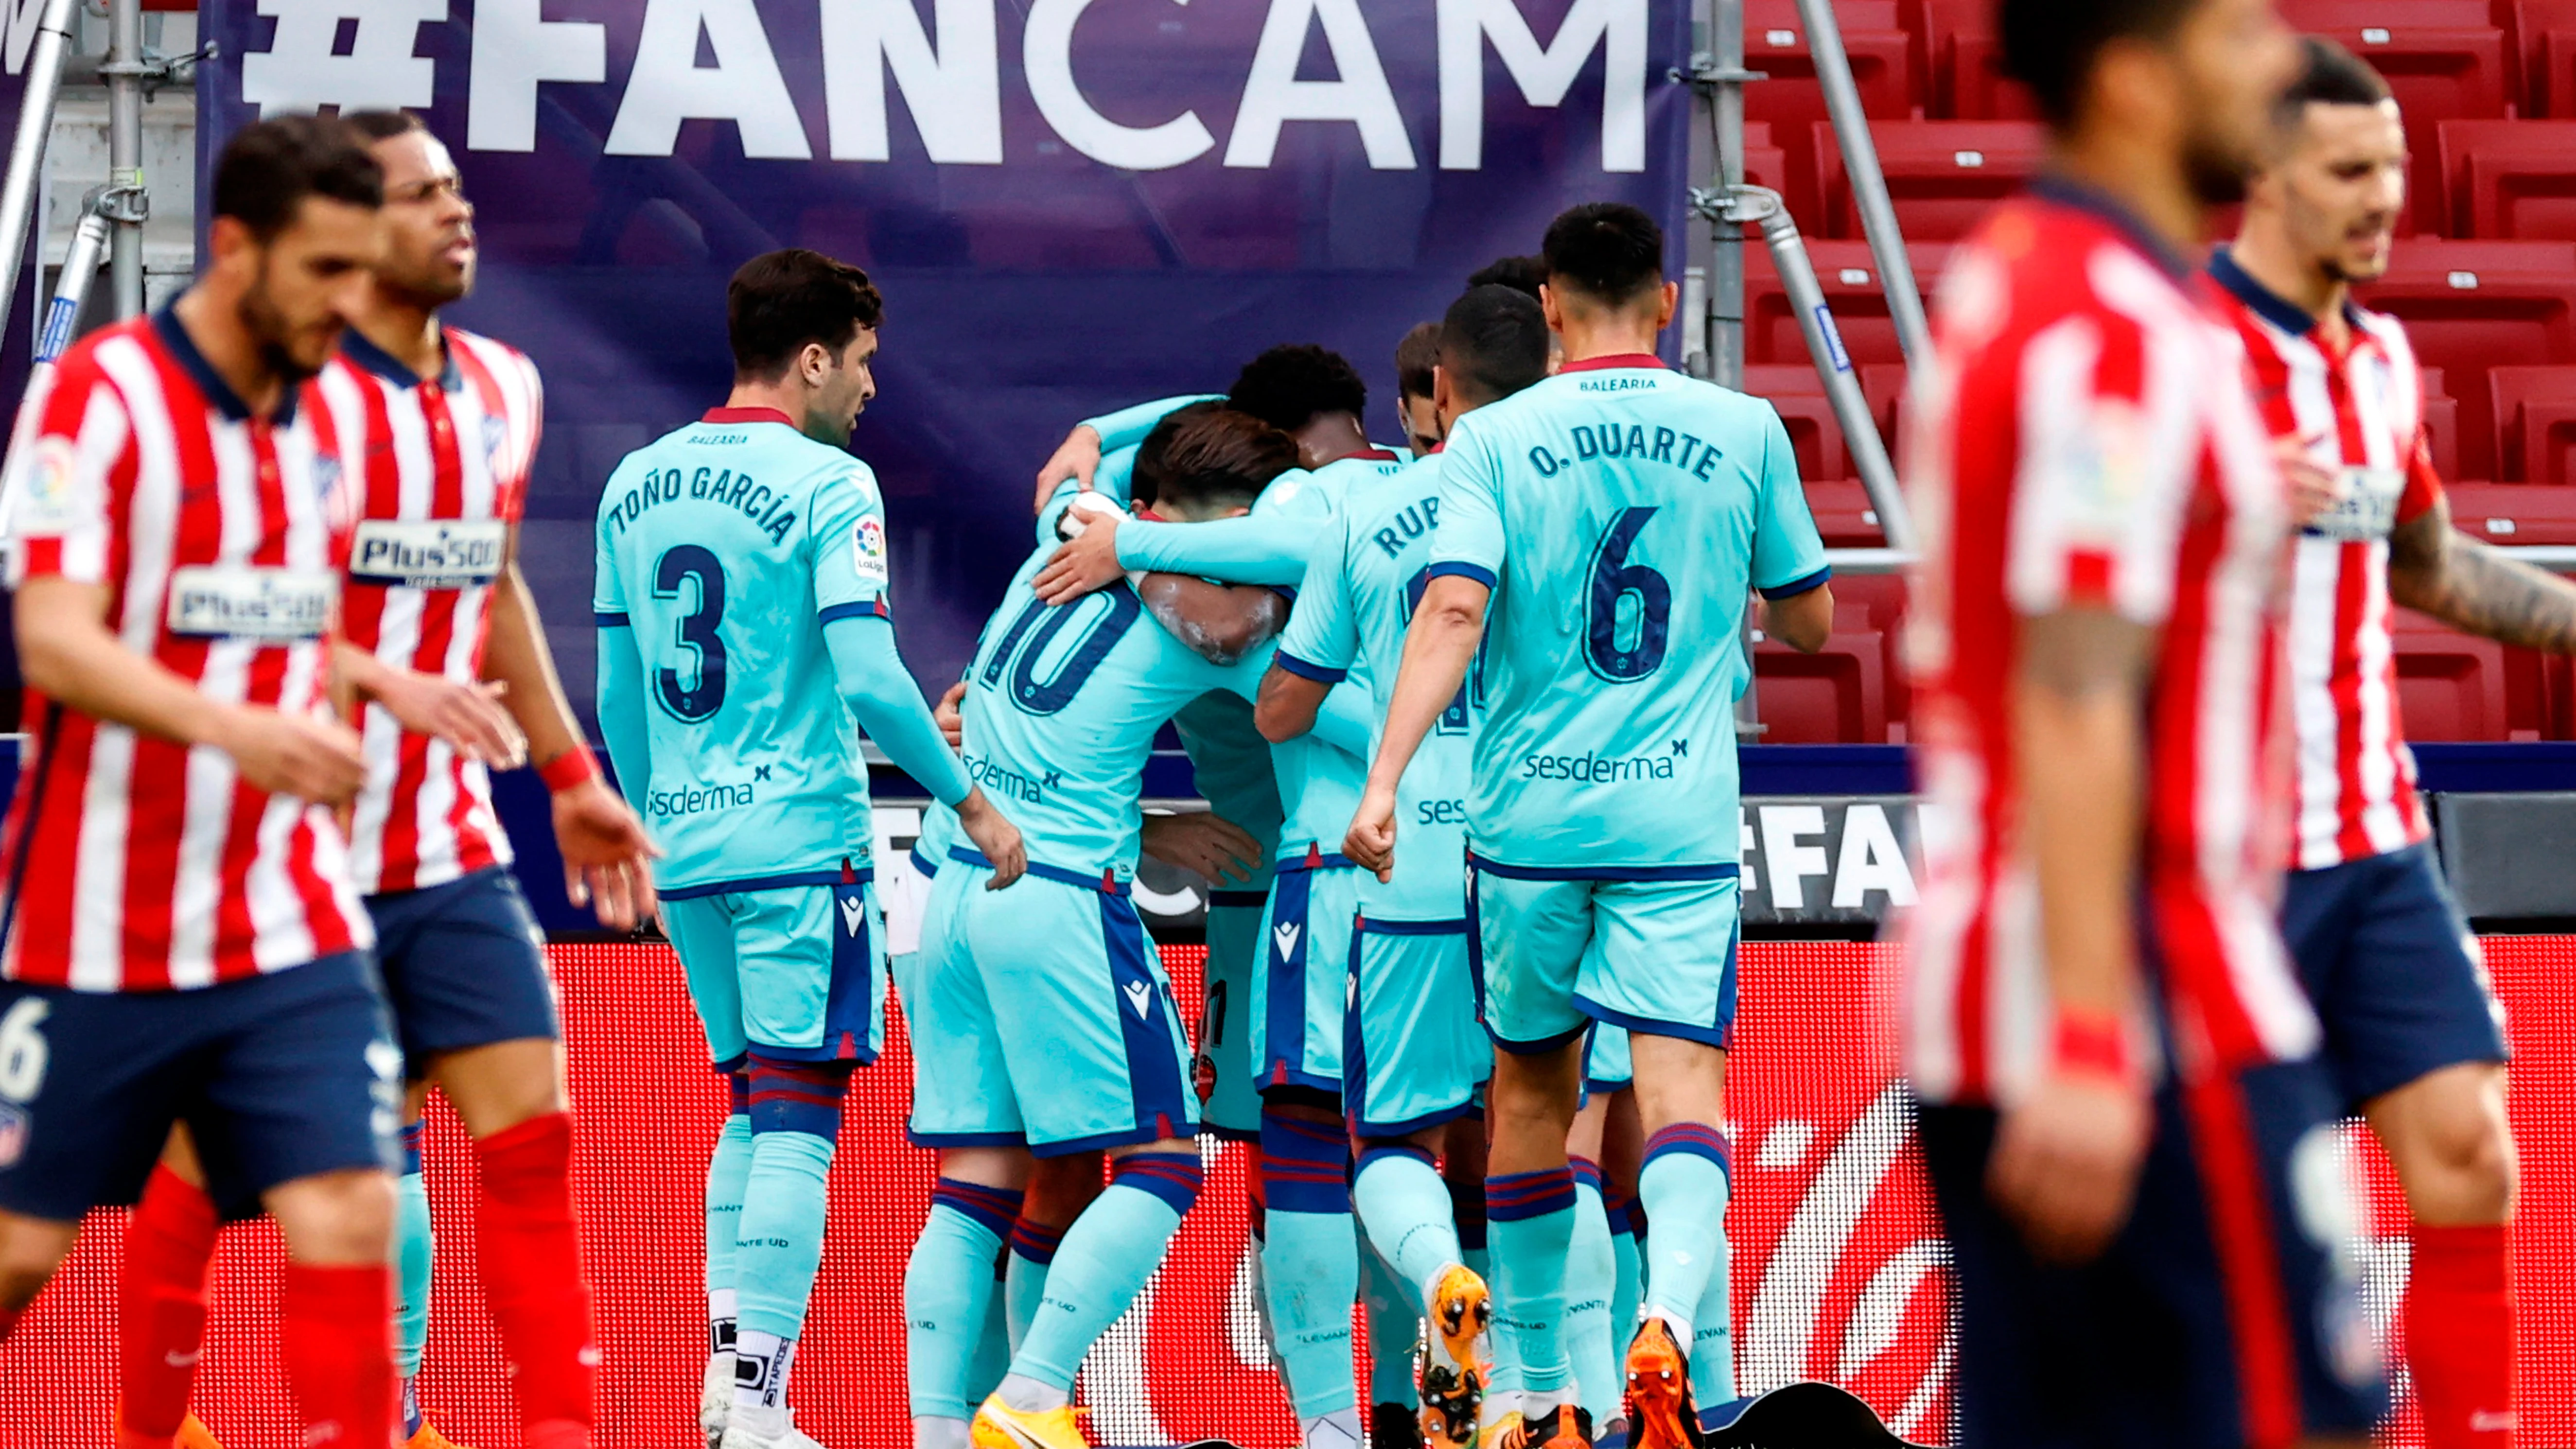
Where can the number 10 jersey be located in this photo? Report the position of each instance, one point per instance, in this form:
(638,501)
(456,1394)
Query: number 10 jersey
(1621,513)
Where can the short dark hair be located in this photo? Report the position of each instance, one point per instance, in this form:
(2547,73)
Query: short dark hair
(1415,356)
(1289,386)
(1493,343)
(1223,458)
(1608,251)
(268,168)
(1145,477)
(2051,45)
(383,125)
(2330,75)
(1521,274)
(779,301)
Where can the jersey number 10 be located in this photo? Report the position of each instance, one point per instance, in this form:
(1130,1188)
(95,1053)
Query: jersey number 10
(1027,639)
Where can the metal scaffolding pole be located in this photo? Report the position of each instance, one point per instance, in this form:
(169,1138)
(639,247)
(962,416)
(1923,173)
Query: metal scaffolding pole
(27,149)
(1720,73)
(126,204)
(1868,182)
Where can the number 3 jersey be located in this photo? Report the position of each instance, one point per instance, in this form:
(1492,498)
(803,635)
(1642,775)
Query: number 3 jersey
(438,469)
(725,547)
(1621,513)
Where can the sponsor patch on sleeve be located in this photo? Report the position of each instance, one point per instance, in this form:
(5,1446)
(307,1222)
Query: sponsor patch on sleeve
(52,503)
(868,551)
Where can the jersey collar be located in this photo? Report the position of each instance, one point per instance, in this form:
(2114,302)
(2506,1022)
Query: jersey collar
(355,345)
(174,336)
(2066,191)
(2267,304)
(1372,455)
(1615,360)
(747,415)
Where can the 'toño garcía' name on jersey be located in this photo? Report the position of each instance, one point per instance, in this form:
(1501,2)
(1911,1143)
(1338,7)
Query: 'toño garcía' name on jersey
(768,511)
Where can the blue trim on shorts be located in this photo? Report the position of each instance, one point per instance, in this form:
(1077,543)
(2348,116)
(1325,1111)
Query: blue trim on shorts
(1795,587)
(1162,1099)
(1237,900)
(964,1139)
(610,621)
(923,864)
(1460,569)
(850,1000)
(1715,1036)
(1315,859)
(1368,1131)
(1723,870)
(1305,669)
(1368,927)
(863,875)
(1284,1005)
(1540,1047)
(1105,884)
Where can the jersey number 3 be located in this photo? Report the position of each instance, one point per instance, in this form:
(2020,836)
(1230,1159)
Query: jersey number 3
(1624,640)
(693,696)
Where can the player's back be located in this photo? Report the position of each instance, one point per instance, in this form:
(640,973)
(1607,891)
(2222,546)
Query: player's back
(706,544)
(1632,510)
(1319,785)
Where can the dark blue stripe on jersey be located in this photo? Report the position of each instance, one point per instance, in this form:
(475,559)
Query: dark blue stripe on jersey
(1457,570)
(1175,1177)
(1795,587)
(929,868)
(1306,669)
(764,883)
(872,609)
(1153,1066)
(1238,900)
(1724,870)
(1519,1196)
(1371,927)
(610,621)
(1101,883)
(1285,946)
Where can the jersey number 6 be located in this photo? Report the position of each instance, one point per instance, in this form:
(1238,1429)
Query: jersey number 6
(1608,619)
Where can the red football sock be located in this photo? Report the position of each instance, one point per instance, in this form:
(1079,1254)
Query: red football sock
(161,1296)
(336,1325)
(530,1251)
(2459,1336)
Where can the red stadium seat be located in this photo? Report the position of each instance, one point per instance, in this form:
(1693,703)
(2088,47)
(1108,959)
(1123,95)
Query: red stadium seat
(2511,179)
(2470,305)
(1844,515)
(2450,686)
(1944,175)
(1836,697)
(1849,278)
(1809,416)
(2441,424)
(1965,64)
(2544,32)
(2514,513)
(2443,58)
(1765,164)
(1775,43)
(2535,414)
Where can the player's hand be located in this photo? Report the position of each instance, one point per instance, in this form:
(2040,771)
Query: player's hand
(994,835)
(1083,564)
(1371,841)
(2066,1162)
(466,714)
(1077,458)
(607,856)
(1203,841)
(296,755)
(2315,489)
(951,715)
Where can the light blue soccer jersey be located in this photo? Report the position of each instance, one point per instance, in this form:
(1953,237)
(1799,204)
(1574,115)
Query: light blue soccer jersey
(727,546)
(1621,513)
(1061,709)
(1350,621)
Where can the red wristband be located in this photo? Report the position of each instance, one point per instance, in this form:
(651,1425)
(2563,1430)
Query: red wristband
(2093,1046)
(575,766)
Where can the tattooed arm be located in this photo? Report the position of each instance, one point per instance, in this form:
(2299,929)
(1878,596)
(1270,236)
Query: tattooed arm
(2472,587)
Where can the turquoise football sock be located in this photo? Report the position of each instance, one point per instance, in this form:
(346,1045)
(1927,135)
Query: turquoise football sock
(1467,1205)
(1683,1188)
(1590,1277)
(1404,1206)
(795,1116)
(1310,1266)
(728,1172)
(1024,1277)
(1531,1217)
(992,1346)
(1394,1327)
(415,1252)
(948,1294)
(1108,1254)
(1712,1348)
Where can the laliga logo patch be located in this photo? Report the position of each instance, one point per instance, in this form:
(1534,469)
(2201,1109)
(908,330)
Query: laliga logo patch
(868,550)
(15,1127)
(51,503)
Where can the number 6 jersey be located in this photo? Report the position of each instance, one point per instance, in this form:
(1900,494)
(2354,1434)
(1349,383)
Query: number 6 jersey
(1621,513)
(726,546)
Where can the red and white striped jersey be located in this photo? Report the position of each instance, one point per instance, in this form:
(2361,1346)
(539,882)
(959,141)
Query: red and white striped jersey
(135,863)
(2355,777)
(438,468)
(2085,442)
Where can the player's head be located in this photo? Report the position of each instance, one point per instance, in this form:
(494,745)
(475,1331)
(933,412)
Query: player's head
(1300,388)
(429,225)
(1522,274)
(2195,79)
(1215,464)
(294,236)
(1493,343)
(1417,358)
(1605,263)
(2334,181)
(1145,476)
(806,326)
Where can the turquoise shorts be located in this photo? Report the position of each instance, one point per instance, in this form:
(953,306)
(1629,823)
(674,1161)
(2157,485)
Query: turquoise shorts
(1412,1053)
(794,972)
(1229,1098)
(1040,1016)
(1560,951)
(1301,976)
(1605,1062)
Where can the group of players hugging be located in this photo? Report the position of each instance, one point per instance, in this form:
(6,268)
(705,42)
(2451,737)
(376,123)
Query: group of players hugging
(1465,714)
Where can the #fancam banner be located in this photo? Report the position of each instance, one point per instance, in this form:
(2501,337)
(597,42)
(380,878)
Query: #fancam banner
(1069,204)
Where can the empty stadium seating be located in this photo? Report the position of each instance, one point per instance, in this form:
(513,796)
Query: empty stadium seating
(1775,43)
(1944,175)
(1835,696)
(2535,417)
(2510,179)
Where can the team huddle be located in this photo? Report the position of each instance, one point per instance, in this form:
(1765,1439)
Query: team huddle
(1464,713)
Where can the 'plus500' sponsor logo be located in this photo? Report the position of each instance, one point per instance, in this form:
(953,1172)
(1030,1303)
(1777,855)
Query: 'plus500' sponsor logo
(427,554)
(236,602)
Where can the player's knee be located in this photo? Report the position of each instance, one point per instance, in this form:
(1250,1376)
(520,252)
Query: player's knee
(2468,1157)
(29,1253)
(336,1217)
(1167,1170)
(797,1096)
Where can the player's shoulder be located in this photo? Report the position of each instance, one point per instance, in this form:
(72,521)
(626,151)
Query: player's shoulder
(2035,261)
(98,359)
(2387,330)
(495,356)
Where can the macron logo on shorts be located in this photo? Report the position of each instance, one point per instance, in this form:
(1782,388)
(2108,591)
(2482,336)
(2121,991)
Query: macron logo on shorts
(1141,997)
(853,910)
(1285,936)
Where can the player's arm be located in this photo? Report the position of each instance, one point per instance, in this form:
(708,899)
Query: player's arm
(1305,679)
(1448,627)
(1220,623)
(1267,547)
(1804,622)
(620,701)
(1078,456)
(2473,588)
(1289,703)
(468,716)
(1203,841)
(880,693)
(67,654)
(1789,570)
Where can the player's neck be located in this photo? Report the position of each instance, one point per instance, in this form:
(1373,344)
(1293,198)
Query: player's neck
(404,330)
(778,397)
(213,323)
(1331,437)
(2269,259)
(1625,332)
(2145,178)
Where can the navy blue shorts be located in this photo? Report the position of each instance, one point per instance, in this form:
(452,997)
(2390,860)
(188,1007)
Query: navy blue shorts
(2393,971)
(464,965)
(278,1077)
(2225,1310)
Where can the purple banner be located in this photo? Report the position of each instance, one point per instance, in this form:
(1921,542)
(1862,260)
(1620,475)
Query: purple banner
(1069,204)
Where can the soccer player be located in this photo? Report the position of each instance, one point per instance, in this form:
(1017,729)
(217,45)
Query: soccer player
(1048,1014)
(1415,358)
(742,600)
(1604,528)
(183,939)
(2131,1145)
(1412,1056)
(435,429)
(2412,1032)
